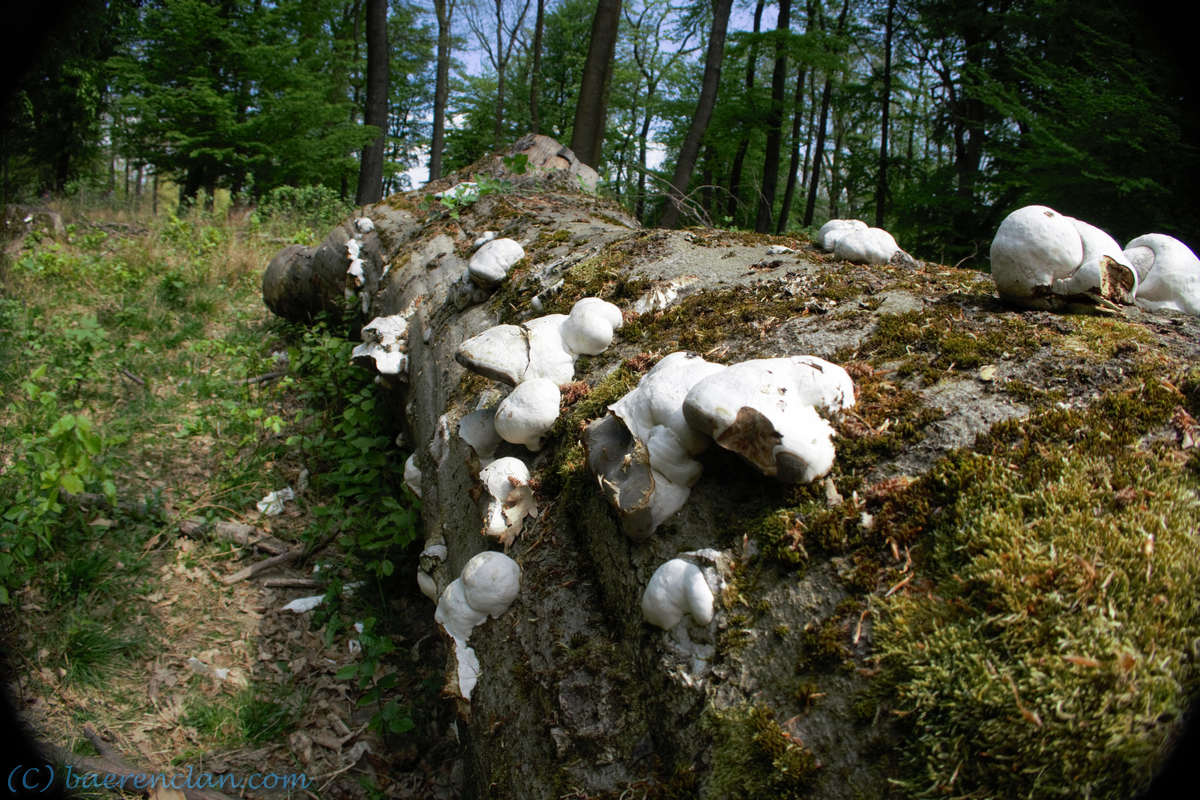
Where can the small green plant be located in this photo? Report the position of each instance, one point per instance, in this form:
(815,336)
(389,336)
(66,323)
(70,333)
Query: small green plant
(376,684)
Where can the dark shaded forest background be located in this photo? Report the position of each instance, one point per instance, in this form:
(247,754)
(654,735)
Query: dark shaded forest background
(933,118)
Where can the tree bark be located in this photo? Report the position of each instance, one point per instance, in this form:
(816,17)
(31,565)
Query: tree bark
(826,93)
(881,183)
(739,159)
(370,174)
(789,191)
(535,79)
(441,93)
(587,135)
(766,199)
(704,107)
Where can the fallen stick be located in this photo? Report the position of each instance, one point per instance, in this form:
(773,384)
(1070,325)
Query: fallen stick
(293,583)
(266,377)
(235,532)
(274,561)
(114,773)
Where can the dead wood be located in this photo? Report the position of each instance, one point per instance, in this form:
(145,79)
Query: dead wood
(117,775)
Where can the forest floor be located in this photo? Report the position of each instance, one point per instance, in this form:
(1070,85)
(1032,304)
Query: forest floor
(133,352)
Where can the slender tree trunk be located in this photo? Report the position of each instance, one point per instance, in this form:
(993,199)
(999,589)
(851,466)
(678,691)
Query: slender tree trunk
(766,199)
(370,174)
(881,183)
(835,173)
(535,79)
(789,191)
(739,158)
(811,205)
(640,208)
(587,135)
(686,162)
(441,93)
(498,133)
(708,196)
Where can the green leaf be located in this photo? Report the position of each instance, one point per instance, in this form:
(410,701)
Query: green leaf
(70,481)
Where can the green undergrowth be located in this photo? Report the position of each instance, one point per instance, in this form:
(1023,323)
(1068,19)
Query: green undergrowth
(140,370)
(1048,646)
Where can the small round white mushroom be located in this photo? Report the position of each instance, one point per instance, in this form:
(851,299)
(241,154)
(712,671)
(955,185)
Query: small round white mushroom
(491,581)
(588,329)
(364,225)
(528,412)
(677,588)
(490,264)
(1168,273)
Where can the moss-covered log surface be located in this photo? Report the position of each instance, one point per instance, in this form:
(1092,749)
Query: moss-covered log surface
(996,593)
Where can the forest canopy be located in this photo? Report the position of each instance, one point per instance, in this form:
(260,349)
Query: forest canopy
(933,118)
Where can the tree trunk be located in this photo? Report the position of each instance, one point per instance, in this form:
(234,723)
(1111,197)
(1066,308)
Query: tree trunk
(704,107)
(766,199)
(370,174)
(587,135)
(881,183)
(739,159)
(535,79)
(811,205)
(789,191)
(444,10)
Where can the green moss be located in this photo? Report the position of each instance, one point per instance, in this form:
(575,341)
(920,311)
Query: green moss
(942,338)
(753,757)
(1050,646)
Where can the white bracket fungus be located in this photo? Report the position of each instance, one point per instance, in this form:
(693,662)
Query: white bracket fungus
(677,588)
(364,225)
(510,498)
(643,451)
(765,410)
(412,475)
(1168,273)
(528,412)
(487,586)
(384,345)
(588,329)
(830,232)
(868,246)
(543,347)
(1040,257)
(490,264)
(478,429)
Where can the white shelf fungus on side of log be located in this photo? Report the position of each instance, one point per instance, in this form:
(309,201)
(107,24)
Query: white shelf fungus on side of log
(543,347)
(510,498)
(1039,255)
(487,586)
(765,410)
(528,412)
(1168,273)
(412,475)
(384,345)
(588,329)
(677,588)
(490,264)
(643,451)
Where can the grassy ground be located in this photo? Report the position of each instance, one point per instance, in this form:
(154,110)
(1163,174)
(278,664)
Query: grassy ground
(129,350)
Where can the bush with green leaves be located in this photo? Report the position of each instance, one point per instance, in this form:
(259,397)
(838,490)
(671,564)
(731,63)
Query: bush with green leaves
(318,207)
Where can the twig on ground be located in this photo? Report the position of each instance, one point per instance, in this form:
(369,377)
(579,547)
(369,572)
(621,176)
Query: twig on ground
(274,561)
(116,774)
